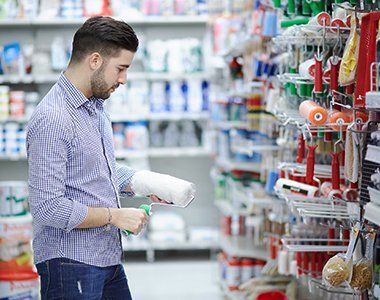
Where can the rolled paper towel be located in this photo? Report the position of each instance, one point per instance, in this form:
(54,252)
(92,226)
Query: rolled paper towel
(165,187)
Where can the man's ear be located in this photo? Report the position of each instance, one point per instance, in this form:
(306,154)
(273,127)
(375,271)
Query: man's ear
(95,61)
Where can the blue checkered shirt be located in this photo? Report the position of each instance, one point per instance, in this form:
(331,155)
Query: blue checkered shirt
(72,167)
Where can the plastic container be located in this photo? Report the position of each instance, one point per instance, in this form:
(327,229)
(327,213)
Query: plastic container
(13,198)
(19,285)
(233,273)
(247,271)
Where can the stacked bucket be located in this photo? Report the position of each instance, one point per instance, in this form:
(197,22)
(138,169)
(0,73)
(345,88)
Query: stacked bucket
(18,279)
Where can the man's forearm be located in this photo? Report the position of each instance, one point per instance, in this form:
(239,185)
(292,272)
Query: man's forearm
(97,217)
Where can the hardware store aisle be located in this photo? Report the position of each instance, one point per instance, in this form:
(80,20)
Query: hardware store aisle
(174,280)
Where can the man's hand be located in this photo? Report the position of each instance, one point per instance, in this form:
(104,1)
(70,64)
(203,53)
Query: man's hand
(131,219)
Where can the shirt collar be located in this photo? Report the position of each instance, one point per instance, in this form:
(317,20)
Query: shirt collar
(76,96)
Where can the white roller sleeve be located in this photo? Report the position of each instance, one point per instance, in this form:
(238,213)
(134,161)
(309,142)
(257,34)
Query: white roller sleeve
(165,187)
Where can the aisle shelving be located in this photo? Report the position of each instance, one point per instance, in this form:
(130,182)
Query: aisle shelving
(142,20)
(163,152)
(242,247)
(53,77)
(165,116)
(229,165)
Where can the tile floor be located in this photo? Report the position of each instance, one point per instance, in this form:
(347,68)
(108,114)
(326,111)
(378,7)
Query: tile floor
(174,280)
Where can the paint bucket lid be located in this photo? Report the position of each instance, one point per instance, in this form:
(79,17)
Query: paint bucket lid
(18,276)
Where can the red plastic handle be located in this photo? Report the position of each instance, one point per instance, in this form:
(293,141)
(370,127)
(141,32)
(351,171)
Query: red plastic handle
(310,161)
(300,149)
(335,171)
(335,65)
(318,84)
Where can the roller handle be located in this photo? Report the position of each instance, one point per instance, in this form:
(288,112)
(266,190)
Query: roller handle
(310,161)
(318,84)
(334,74)
(300,149)
(335,176)
(350,89)
(331,236)
(314,264)
(144,207)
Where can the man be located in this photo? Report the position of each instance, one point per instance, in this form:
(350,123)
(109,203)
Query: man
(74,180)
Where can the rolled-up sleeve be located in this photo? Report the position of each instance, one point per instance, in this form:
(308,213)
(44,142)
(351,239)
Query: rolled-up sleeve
(48,147)
(124,176)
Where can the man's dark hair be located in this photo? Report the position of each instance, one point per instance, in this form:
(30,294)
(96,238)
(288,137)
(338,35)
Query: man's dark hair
(104,35)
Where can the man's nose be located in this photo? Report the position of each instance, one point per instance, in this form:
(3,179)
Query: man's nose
(122,79)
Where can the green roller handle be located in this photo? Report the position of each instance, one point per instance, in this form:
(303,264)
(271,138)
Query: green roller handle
(291,8)
(306,9)
(321,133)
(144,207)
(317,7)
(277,3)
(298,21)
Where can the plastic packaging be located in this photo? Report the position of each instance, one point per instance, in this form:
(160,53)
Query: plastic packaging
(362,273)
(337,270)
(349,62)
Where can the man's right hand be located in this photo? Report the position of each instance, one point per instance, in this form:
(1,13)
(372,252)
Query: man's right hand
(131,219)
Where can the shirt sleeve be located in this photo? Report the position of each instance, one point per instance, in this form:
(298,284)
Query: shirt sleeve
(48,144)
(124,176)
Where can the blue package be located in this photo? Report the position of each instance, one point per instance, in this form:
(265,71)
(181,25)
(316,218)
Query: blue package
(10,58)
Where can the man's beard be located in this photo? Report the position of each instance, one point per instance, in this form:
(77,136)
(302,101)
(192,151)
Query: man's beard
(99,86)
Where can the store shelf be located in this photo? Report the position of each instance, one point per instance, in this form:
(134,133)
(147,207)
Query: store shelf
(241,247)
(249,149)
(145,245)
(12,157)
(227,209)
(143,20)
(166,116)
(243,166)
(372,213)
(53,77)
(225,125)
(14,119)
(163,152)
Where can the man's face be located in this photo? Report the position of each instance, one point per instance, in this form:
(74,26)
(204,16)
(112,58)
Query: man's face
(111,74)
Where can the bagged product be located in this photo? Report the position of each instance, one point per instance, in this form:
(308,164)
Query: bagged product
(338,269)
(362,272)
(349,62)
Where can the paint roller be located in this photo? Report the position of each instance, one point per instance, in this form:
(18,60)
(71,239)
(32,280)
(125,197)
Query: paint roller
(148,209)
(321,19)
(318,78)
(310,162)
(333,189)
(337,23)
(307,69)
(338,120)
(288,186)
(316,114)
(300,149)
(171,189)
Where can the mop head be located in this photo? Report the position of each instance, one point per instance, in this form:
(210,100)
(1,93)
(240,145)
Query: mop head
(165,187)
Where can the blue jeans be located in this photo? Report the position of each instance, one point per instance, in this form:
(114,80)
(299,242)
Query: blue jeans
(63,278)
